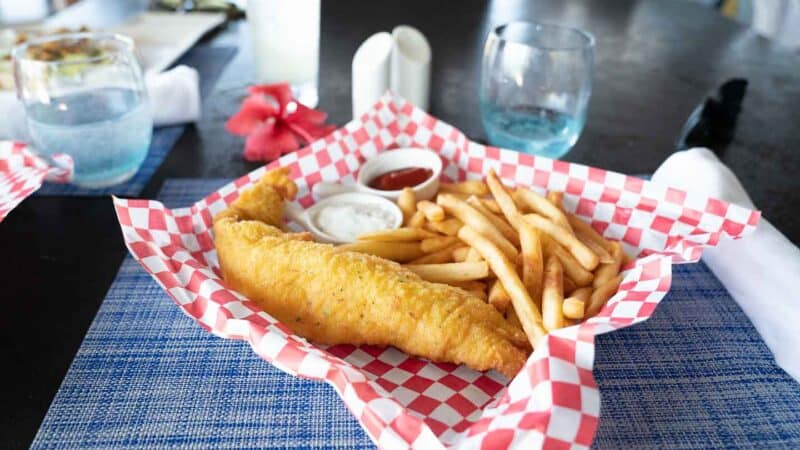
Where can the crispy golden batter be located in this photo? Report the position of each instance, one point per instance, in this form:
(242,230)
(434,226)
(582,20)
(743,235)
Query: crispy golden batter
(336,297)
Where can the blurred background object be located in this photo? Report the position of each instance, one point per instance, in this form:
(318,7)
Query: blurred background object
(285,39)
(778,20)
(16,12)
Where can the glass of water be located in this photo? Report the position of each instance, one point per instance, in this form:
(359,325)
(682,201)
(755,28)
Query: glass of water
(84,96)
(536,81)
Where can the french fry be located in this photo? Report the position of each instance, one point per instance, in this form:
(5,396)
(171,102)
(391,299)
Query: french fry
(473,255)
(601,295)
(575,305)
(608,271)
(557,199)
(572,308)
(498,222)
(512,318)
(599,249)
(532,261)
(460,253)
(432,211)
(626,258)
(587,230)
(572,267)
(417,220)
(503,199)
(396,251)
(526,310)
(444,255)
(397,235)
(450,272)
(491,205)
(583,294)
(581,252)
(436,243)
(407,202)
(449,226)
(552,295)
(477,221)
(472,187)
(541,205)
(498,297)
(470,285)
(569,285)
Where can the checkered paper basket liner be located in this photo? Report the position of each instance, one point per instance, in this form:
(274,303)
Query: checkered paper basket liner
(407,402)
(22,172)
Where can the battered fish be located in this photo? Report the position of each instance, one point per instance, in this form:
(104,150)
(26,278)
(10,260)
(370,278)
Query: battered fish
(335,297)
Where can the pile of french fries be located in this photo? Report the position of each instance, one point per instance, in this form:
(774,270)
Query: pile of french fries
(540,266)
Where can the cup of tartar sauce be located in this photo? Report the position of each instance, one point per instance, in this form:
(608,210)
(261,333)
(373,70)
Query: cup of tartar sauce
(341,218)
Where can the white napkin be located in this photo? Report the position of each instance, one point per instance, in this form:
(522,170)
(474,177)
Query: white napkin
(760,271)
(174,98)
(370,71)
(411,65)
(174,95)
(400,61)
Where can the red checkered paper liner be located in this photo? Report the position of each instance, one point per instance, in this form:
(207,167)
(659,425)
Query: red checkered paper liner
(407,402)
(22,172)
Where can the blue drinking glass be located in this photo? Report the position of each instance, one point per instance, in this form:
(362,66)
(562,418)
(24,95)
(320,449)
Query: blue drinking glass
(84,95)
(536,80)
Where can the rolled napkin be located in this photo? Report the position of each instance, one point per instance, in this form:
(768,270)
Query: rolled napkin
(400,61)
(174,95)
(174,98)
(411,65)
(761,271)
(371,71)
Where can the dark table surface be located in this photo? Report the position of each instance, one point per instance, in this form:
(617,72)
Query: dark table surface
(655,61)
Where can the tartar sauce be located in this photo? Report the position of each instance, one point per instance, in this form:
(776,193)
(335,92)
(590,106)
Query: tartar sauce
(345,221)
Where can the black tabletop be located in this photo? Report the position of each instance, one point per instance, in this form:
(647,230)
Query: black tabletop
(655,61)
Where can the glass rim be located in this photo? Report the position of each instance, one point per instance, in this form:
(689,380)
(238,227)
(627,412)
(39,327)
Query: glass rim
(18,52)
(587,37)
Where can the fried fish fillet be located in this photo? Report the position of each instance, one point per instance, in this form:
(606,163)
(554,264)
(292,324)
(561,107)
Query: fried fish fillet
(335,297)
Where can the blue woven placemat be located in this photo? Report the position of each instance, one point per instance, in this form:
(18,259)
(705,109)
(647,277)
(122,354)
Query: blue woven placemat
(696,375)
(209,62)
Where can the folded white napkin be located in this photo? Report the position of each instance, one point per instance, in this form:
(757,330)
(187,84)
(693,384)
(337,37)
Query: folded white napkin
(400,61)
(760,271)
(174,98)
(174,95)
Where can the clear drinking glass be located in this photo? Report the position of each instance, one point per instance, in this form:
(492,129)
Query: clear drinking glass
(536,81)
(285,38)
(84,96)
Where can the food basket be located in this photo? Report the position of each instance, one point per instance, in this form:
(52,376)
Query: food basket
(407,402)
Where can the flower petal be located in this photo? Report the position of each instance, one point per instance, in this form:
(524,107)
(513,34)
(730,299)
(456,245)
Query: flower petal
(281,92)
(285,140)
(255,109)
(268,142)
(304,114)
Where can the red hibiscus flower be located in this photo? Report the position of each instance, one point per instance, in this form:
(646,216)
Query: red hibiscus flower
(275,123)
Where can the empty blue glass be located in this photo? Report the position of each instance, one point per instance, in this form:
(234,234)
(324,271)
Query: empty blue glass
(536,80)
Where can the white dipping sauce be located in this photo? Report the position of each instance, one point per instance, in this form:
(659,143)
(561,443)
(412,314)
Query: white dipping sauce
(346,221)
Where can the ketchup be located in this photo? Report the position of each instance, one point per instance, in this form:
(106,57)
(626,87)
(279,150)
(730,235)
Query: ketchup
(401,178)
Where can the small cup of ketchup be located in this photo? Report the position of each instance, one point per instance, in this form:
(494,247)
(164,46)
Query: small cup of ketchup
(395,180)
(387,173)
